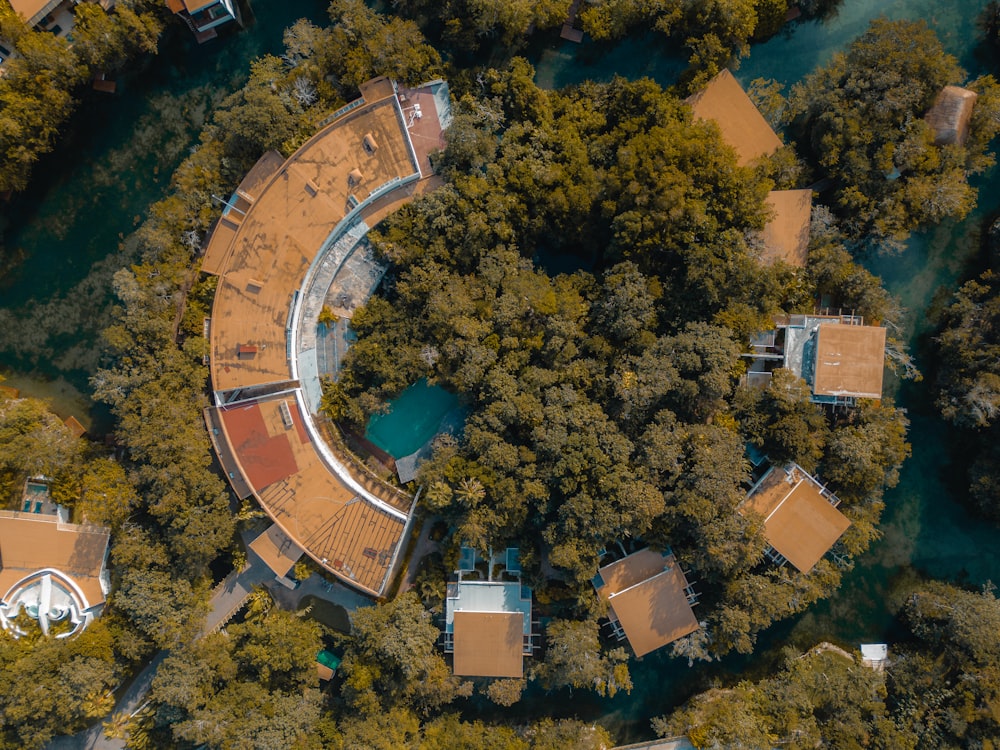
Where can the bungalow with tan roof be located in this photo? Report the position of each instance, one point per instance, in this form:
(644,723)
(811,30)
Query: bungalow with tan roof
(52,572)
(786,237)
(488,623)
(801,520)
(950,114)
(649,599)
(840,357)
(724,102)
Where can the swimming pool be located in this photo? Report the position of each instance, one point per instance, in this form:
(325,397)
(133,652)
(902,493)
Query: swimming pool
(413,418)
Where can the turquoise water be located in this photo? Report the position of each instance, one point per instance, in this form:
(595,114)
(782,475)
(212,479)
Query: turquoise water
(61,242)
(413,418)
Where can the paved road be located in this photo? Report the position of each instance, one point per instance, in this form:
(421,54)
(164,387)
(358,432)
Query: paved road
(225,602)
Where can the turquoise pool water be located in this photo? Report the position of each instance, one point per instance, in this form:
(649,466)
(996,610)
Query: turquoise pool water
(413,418)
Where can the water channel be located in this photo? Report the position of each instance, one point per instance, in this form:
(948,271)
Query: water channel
(62,239)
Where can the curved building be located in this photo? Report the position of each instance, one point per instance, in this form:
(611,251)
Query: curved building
(290,242)
(52,572)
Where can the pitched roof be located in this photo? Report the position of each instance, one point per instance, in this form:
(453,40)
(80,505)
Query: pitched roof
(489,644)
(799,521)
(646,594)
(33,10)
(786,236)
(850,361)
(743,127)
(277,550)
(950,114)
(31,542)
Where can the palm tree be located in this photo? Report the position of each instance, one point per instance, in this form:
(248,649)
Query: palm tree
(259,603)
(471,491)
(117,727)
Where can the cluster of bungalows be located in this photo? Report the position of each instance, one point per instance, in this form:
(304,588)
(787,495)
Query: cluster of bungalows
(51,571)
(649,598)
(290,242)
(839,357)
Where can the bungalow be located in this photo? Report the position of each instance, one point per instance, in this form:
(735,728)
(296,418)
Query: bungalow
(51,571)
(724,102)
(203,16)
(837,355)
(801,520)
(55,16)
(950,114)
(786,236)
(488,625)
(649,599)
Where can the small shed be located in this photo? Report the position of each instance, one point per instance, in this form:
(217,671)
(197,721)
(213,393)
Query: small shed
(370,144)
(950,115)
(355,177)
(326,665)
(875,655)
(277,550)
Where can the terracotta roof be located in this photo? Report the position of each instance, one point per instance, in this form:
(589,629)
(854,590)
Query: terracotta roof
(311,506)
(743,127)
(29,9)
(799,522)
(850,361)
(489,644)
(30,542)
(646,594)
(786,236)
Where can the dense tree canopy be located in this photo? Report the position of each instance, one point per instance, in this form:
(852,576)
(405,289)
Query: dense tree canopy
(968,381)
(939,688)
(862,117)
(38,88)
(604,404)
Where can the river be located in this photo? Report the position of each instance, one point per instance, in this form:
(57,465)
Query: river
(96,187)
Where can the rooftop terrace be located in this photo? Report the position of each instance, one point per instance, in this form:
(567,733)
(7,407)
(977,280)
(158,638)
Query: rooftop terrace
(285,238)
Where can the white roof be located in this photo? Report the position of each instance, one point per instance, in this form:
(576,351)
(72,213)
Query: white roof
(874,651)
